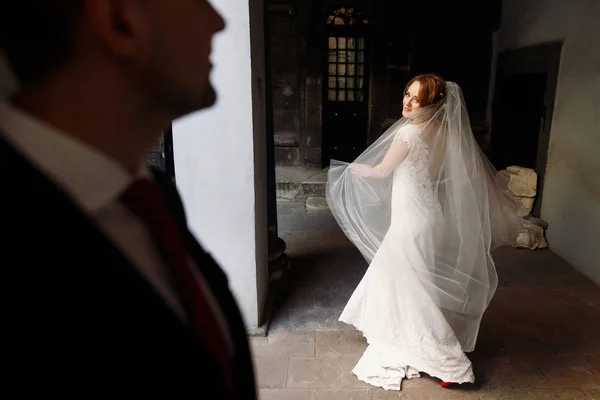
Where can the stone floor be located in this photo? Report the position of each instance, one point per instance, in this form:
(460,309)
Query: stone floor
(540,338)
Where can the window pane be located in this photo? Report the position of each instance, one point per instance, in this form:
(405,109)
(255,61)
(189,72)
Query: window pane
(341,69)
(331,82)
(361,70)
(332,56)
(332,69)
(359,95)
(351,43)
(351,57)
(332,43)
(342,42)
(351,70)
(361,57)
(331,96)
(341,95)
(341,56)
(350,95)
(341,83)
(350,82)
(360,82)
(361,43)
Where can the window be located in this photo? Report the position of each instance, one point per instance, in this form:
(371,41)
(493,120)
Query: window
(346,69)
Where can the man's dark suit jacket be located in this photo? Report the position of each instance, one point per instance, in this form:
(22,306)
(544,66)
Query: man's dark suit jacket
(79,320)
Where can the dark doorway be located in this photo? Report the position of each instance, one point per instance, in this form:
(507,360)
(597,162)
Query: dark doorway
(519,112)
(345,86)
(525,89)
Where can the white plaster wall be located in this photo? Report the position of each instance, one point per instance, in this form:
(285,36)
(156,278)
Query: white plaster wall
(220,177)
(571,202)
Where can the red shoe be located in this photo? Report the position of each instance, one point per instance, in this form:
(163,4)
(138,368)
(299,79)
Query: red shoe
(445,384)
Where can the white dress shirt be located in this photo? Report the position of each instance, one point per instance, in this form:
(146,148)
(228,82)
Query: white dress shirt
(95,182)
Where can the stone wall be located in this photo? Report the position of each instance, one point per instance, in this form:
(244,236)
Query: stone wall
(571,195)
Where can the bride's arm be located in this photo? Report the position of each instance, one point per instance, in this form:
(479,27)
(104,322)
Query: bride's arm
(394,156)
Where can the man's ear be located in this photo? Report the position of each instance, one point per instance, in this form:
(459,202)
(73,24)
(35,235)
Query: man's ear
(121,26)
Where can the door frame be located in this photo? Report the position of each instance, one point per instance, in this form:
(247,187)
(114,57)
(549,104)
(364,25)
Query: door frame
(541,58)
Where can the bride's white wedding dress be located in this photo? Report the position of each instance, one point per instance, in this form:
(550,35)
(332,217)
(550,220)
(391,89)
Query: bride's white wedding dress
(406,331)
(426,219)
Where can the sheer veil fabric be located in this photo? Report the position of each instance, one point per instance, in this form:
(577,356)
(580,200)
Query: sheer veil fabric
(453,180)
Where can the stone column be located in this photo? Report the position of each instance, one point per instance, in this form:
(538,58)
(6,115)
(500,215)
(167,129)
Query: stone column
(220,159)
(277,247)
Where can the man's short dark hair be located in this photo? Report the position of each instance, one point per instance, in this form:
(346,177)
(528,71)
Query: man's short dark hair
(37,36)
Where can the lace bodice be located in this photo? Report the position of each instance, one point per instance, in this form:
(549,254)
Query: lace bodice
(414,168)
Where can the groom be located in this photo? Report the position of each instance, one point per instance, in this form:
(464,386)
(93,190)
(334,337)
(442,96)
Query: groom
(106,291)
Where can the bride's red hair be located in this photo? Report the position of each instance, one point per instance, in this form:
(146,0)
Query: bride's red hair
(432,90)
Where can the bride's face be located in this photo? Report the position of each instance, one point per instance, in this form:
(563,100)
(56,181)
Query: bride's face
(411,99)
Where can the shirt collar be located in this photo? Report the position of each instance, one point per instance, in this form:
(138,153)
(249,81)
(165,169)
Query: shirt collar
(91,177)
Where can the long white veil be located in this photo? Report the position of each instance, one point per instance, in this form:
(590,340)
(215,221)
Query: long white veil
(478,214)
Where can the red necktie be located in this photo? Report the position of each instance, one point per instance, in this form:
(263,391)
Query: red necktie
(146,199)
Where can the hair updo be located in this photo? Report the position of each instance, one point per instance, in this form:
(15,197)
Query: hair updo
(432,90)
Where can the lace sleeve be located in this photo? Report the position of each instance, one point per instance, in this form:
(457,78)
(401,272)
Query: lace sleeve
(410,134)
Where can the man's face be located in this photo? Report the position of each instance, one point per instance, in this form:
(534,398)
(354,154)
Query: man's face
(175,64)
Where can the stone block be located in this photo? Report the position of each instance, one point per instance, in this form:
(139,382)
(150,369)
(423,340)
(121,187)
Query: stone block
(531,237)
(285,120)
(286,139)
(286,156)
(309,157)
(313,373)
(316,205)
(271,371)
(347,379)
(525,205)
(521,182)
(313,189)
(285,96)
(537,221)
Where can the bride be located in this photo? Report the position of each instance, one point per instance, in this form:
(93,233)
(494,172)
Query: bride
(425,208)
